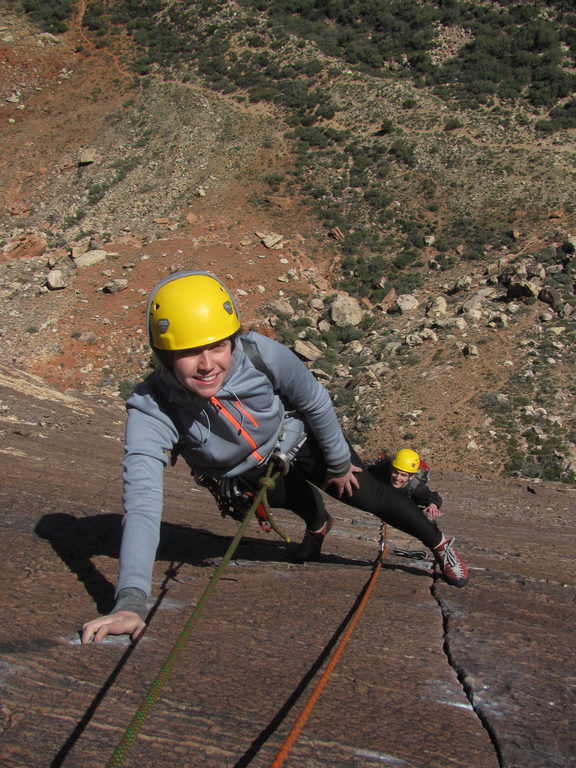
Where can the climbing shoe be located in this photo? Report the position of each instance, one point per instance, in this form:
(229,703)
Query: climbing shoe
(311,545)
(451,564)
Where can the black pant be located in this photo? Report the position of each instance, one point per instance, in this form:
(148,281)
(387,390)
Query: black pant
(296,492)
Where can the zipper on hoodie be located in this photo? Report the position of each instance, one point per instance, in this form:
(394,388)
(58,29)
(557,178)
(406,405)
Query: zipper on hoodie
(233,420)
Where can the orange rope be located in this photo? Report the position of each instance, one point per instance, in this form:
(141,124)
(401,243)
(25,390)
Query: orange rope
(309,706)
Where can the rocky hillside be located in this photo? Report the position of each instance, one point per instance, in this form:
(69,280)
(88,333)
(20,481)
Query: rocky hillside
(432,287)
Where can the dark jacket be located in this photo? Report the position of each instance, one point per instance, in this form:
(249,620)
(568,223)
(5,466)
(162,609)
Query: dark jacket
(417,487)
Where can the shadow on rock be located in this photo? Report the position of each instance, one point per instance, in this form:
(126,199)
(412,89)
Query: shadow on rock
(77,540)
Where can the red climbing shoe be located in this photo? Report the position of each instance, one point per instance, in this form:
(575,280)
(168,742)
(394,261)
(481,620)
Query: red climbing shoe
(451,564)
(311,545)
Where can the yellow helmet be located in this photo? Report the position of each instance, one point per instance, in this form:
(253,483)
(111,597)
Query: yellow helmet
(407,460)
(190,309)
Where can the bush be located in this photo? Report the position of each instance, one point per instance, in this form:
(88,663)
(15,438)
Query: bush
(125,388)
(325,111)
(51,15)
(340,336)
(313,137)
(273,179)
(406,282)
(378,198)
(404,259)
(386,127)
(402,151)
(452,124)
(94,19)
(472,254)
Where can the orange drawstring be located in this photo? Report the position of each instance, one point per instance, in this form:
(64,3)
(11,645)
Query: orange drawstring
(241,431)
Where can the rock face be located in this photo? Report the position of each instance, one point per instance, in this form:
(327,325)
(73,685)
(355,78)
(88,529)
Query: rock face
(480,674)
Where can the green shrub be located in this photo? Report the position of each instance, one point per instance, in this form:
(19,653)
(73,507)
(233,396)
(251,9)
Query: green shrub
(403,151)
(325,111)
(404,259)
(125,388)
(273,179)
(94,19)
(452,124)
(313,137)
(472,254)
(339,336)
(386,127)
(51,15)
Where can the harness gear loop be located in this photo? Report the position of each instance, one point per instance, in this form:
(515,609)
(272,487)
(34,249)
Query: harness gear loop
(309,706)
(119,755)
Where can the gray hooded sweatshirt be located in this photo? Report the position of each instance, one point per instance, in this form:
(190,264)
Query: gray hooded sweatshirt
(223,439)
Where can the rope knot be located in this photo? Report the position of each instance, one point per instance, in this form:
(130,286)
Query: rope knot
(267,482)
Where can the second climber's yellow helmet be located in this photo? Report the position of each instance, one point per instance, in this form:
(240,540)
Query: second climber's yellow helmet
(191,309)
(406,460)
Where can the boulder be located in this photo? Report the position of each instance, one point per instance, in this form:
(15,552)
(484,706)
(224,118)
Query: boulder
(407,303)
(28,247)
(345,310)
(436,306)
(550,296)
(89,258)
(55,280)
(116,285)
(307,350)
(88,156)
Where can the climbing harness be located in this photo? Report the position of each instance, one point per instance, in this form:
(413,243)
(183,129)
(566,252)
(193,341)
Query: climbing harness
(235,495)
(120,753)
(309,706)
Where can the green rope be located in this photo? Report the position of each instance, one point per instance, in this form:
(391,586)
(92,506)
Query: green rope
(272,521)
(121,751)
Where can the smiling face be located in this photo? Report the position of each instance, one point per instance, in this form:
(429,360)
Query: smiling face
(203,370)
(398,479)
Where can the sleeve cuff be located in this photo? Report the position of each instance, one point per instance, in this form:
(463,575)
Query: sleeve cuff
(131,599)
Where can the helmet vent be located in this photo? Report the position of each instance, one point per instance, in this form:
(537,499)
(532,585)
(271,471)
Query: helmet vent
(228,307)
(163,324)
